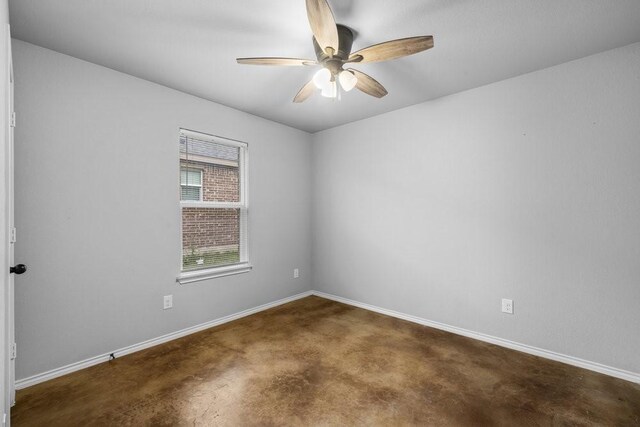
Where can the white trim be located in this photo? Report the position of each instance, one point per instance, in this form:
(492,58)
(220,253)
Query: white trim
(581,363)
(244,265)
(211,273)
(244,199)
(54,373)
(547,354)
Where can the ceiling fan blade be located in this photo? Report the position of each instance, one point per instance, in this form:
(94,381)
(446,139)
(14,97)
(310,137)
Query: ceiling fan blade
(368,84)
(323,25)
(289,62)
(304,93)
(393,49)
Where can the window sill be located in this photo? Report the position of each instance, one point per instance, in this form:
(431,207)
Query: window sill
(212,273)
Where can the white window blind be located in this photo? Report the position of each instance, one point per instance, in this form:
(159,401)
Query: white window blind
(190,184)
(213,204)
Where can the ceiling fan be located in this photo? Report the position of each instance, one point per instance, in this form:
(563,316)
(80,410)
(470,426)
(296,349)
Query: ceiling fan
(332,43)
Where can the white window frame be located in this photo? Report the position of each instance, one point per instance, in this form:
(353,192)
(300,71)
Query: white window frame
(201,186)
(243,266)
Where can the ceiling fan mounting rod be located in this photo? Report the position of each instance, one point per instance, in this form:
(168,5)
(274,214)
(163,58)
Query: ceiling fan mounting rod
(342,51)
(334,59)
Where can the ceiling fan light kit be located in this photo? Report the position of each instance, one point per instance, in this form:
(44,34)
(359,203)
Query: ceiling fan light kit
(348,80)
(330,91)
(322,78)
(332,44)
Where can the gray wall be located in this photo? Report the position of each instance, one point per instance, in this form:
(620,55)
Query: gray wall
(527,189)
(98,218)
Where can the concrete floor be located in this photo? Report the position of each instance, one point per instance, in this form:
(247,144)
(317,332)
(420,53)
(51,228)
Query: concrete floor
(318,362)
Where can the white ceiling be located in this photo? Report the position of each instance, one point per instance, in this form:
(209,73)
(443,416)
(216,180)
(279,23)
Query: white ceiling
(191,45)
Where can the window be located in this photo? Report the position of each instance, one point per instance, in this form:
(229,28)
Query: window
(190,184)
(213,206)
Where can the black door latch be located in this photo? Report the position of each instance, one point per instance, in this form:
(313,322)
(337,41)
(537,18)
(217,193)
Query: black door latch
(18,269)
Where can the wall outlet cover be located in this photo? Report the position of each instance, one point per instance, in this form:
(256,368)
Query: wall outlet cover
(168,301)
(507,305)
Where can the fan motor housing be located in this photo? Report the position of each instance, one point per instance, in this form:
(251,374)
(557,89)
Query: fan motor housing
(345,42)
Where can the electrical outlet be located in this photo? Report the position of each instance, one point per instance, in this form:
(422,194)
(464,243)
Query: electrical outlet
(507,306)
(168,301)
(296,273)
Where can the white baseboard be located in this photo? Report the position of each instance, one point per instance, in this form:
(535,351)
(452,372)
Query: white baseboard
(547,354)
(570,360)
(54,373)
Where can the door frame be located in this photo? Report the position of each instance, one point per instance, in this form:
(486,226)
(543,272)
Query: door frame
(7,372)
(11,340)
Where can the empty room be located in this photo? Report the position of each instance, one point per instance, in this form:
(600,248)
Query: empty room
(320,213)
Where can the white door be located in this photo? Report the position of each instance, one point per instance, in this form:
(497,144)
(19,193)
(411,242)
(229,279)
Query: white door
(12,234)
(9,337)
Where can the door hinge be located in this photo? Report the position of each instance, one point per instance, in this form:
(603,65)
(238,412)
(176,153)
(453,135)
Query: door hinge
(13,119)
(12,238)
(14,351)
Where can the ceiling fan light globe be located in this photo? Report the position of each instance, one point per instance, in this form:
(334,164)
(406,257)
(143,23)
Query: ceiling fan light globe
(322,78)
(331,91)
(347,80)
